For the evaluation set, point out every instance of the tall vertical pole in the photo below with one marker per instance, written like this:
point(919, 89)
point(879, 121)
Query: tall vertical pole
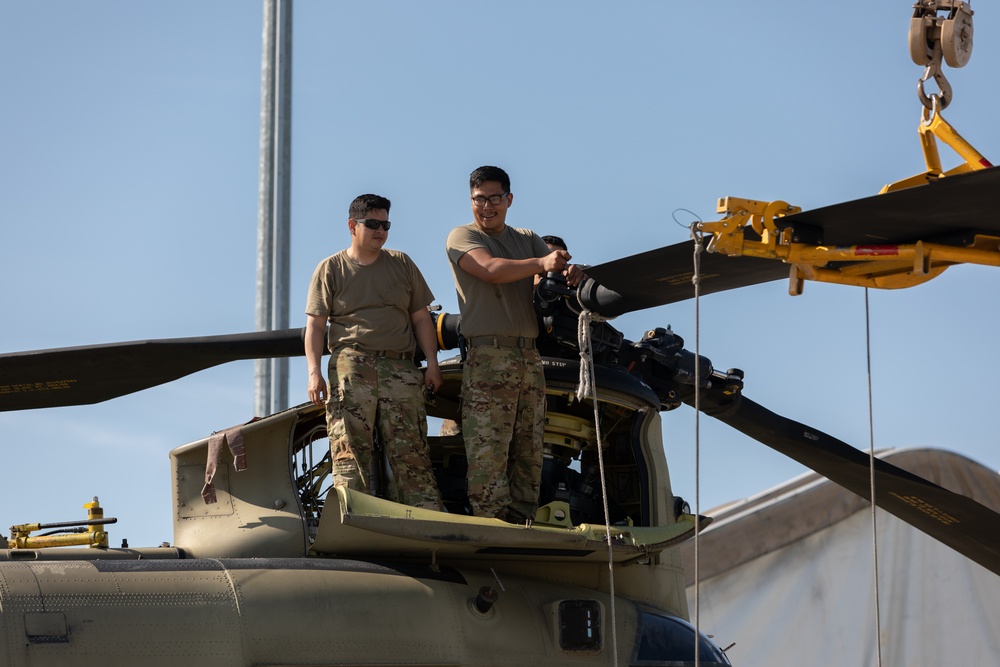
point(273, 204)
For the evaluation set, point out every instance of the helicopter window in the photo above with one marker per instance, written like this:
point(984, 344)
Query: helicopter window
point(669, 640)
point(580, 625)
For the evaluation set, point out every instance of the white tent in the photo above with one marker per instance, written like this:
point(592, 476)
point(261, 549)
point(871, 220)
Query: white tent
point(789, 576)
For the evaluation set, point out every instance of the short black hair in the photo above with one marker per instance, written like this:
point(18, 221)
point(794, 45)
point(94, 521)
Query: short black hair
point(485, 174)
point(556, 241)
point(364, 204)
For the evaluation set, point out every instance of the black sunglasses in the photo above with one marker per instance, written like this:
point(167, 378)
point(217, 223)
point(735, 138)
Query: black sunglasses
point(371, 223)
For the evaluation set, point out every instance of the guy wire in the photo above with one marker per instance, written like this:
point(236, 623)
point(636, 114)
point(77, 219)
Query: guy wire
point(871, 473)
point(696, 280)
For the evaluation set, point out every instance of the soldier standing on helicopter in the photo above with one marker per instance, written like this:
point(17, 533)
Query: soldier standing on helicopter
point(503, 386)
point(376, 302)
point(450, 427)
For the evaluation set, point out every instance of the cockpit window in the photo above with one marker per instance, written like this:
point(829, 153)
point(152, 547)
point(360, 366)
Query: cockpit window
point(667, 640)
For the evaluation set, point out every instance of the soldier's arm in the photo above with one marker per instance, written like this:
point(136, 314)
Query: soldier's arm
point(423, 330)
point(497, 270)
point(315, 332)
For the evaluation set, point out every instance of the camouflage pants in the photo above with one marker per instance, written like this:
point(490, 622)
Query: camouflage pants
point(368, 392)
point(503, 420)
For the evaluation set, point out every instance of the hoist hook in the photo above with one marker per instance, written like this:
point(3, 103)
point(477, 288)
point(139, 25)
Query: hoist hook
point(941, 99)
point(939, 30)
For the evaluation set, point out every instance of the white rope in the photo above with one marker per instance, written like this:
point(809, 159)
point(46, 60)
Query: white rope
point(585, 384)
point(871, 471)
point(588, 387)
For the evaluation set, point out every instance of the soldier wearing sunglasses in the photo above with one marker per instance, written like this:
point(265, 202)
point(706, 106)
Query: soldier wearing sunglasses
point(503, 386)
point(375, 301)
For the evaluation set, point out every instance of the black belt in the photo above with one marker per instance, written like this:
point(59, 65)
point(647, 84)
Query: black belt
point(501, 341)
point(382, 354)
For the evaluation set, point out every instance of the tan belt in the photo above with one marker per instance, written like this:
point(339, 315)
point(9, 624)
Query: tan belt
point(382, 354)
point(501, 341)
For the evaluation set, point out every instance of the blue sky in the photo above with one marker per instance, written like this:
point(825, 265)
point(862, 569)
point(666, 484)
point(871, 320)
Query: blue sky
point(128, 202)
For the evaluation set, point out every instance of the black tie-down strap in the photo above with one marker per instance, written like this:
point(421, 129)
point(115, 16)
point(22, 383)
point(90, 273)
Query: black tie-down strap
point(232, 436)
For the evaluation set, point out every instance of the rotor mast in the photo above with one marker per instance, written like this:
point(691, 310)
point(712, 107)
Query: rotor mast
point(273, 205)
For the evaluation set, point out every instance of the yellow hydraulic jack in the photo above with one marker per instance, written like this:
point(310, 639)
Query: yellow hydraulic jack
point(939, 29)
point(66, 533)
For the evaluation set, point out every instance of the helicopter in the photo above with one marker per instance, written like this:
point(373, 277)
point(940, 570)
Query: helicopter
point(271, 563)
point(47, 630)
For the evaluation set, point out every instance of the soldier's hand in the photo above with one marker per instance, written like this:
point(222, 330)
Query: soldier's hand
point(432, 378)
point(574, 275)
point(317, 388)
point(555, 261)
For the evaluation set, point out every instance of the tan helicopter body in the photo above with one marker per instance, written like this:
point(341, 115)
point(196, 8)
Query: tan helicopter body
point(263, 575)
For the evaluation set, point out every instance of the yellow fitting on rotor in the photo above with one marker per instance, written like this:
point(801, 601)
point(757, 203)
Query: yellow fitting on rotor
point(728, 234)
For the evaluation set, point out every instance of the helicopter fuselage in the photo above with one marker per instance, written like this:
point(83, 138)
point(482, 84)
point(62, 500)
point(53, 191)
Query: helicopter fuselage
point(283, 568)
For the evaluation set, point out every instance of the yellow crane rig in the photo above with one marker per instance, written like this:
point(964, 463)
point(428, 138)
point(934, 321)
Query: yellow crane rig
point(940, 30)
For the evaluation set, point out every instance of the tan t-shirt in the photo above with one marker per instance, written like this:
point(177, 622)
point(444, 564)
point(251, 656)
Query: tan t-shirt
point(495, 310)
point(369, 305)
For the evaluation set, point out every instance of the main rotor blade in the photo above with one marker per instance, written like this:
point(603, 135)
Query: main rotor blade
point(963, 203)
point(95, 373)
point(968, 527)
point(947, 211)
point(662, 276)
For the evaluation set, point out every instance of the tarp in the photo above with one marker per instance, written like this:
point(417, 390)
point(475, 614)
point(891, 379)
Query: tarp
point(789, 576)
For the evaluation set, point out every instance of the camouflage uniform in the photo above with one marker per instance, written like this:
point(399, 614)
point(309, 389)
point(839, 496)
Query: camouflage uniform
point(369, 308)
point(503, 419)
point(503, 388)
point(362, 383)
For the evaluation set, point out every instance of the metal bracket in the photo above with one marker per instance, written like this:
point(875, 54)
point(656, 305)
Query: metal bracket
point(729, 235)
point(934, 127)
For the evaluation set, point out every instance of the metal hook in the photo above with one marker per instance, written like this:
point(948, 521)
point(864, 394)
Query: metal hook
point(933, 69)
